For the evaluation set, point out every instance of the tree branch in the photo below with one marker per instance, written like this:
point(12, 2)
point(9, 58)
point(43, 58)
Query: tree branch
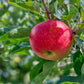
point(47, 10)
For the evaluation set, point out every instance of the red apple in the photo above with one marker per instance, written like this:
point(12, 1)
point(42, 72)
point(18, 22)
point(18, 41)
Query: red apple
point(51, 40)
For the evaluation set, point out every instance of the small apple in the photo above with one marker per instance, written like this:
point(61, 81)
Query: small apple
point(51, 40)
point(17, 59)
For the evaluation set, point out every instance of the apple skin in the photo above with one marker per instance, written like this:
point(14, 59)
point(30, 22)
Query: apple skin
point(51, 40)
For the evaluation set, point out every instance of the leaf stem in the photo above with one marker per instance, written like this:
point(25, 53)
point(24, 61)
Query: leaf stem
point(47, 10)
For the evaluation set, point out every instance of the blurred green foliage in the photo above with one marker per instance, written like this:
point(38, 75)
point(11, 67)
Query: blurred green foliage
point(18, 63)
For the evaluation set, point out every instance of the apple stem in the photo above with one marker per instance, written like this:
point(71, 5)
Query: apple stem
point(47, 10)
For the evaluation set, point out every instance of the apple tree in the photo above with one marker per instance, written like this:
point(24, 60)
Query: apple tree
point(20, 61)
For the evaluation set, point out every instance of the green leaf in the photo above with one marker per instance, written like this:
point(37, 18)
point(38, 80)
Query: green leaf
point(82, 69)
point(48, 1)
point(61, 1)
point(75, 2)
point(70, 83)
point(1, 32)
point(37, 69)
point(72, 1)
point(26, 5)
point(4, 37)
point(81, 26)
point(56, 6)
point(73, 79)
point(79, 41)
point(16, 33)
point(78, 2)
point(17, 50)
point(19, 33)
point(58, 13)
point(1, 50)
point(1, 24)
point(73, 11)
point(36, 6)
point(12, 41)
point(82, 13)
point(78, 62)
point(82, 36)
point(47, 67)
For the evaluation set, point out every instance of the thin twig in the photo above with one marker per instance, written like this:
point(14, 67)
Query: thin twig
point(52, 10)
point(54, 18)
point(68, 23)
point(47, 10)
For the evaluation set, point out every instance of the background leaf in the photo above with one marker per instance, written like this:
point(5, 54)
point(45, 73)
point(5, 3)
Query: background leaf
point(73, 80)
point(78, 62)
point(47, 67)
point(27, 5)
